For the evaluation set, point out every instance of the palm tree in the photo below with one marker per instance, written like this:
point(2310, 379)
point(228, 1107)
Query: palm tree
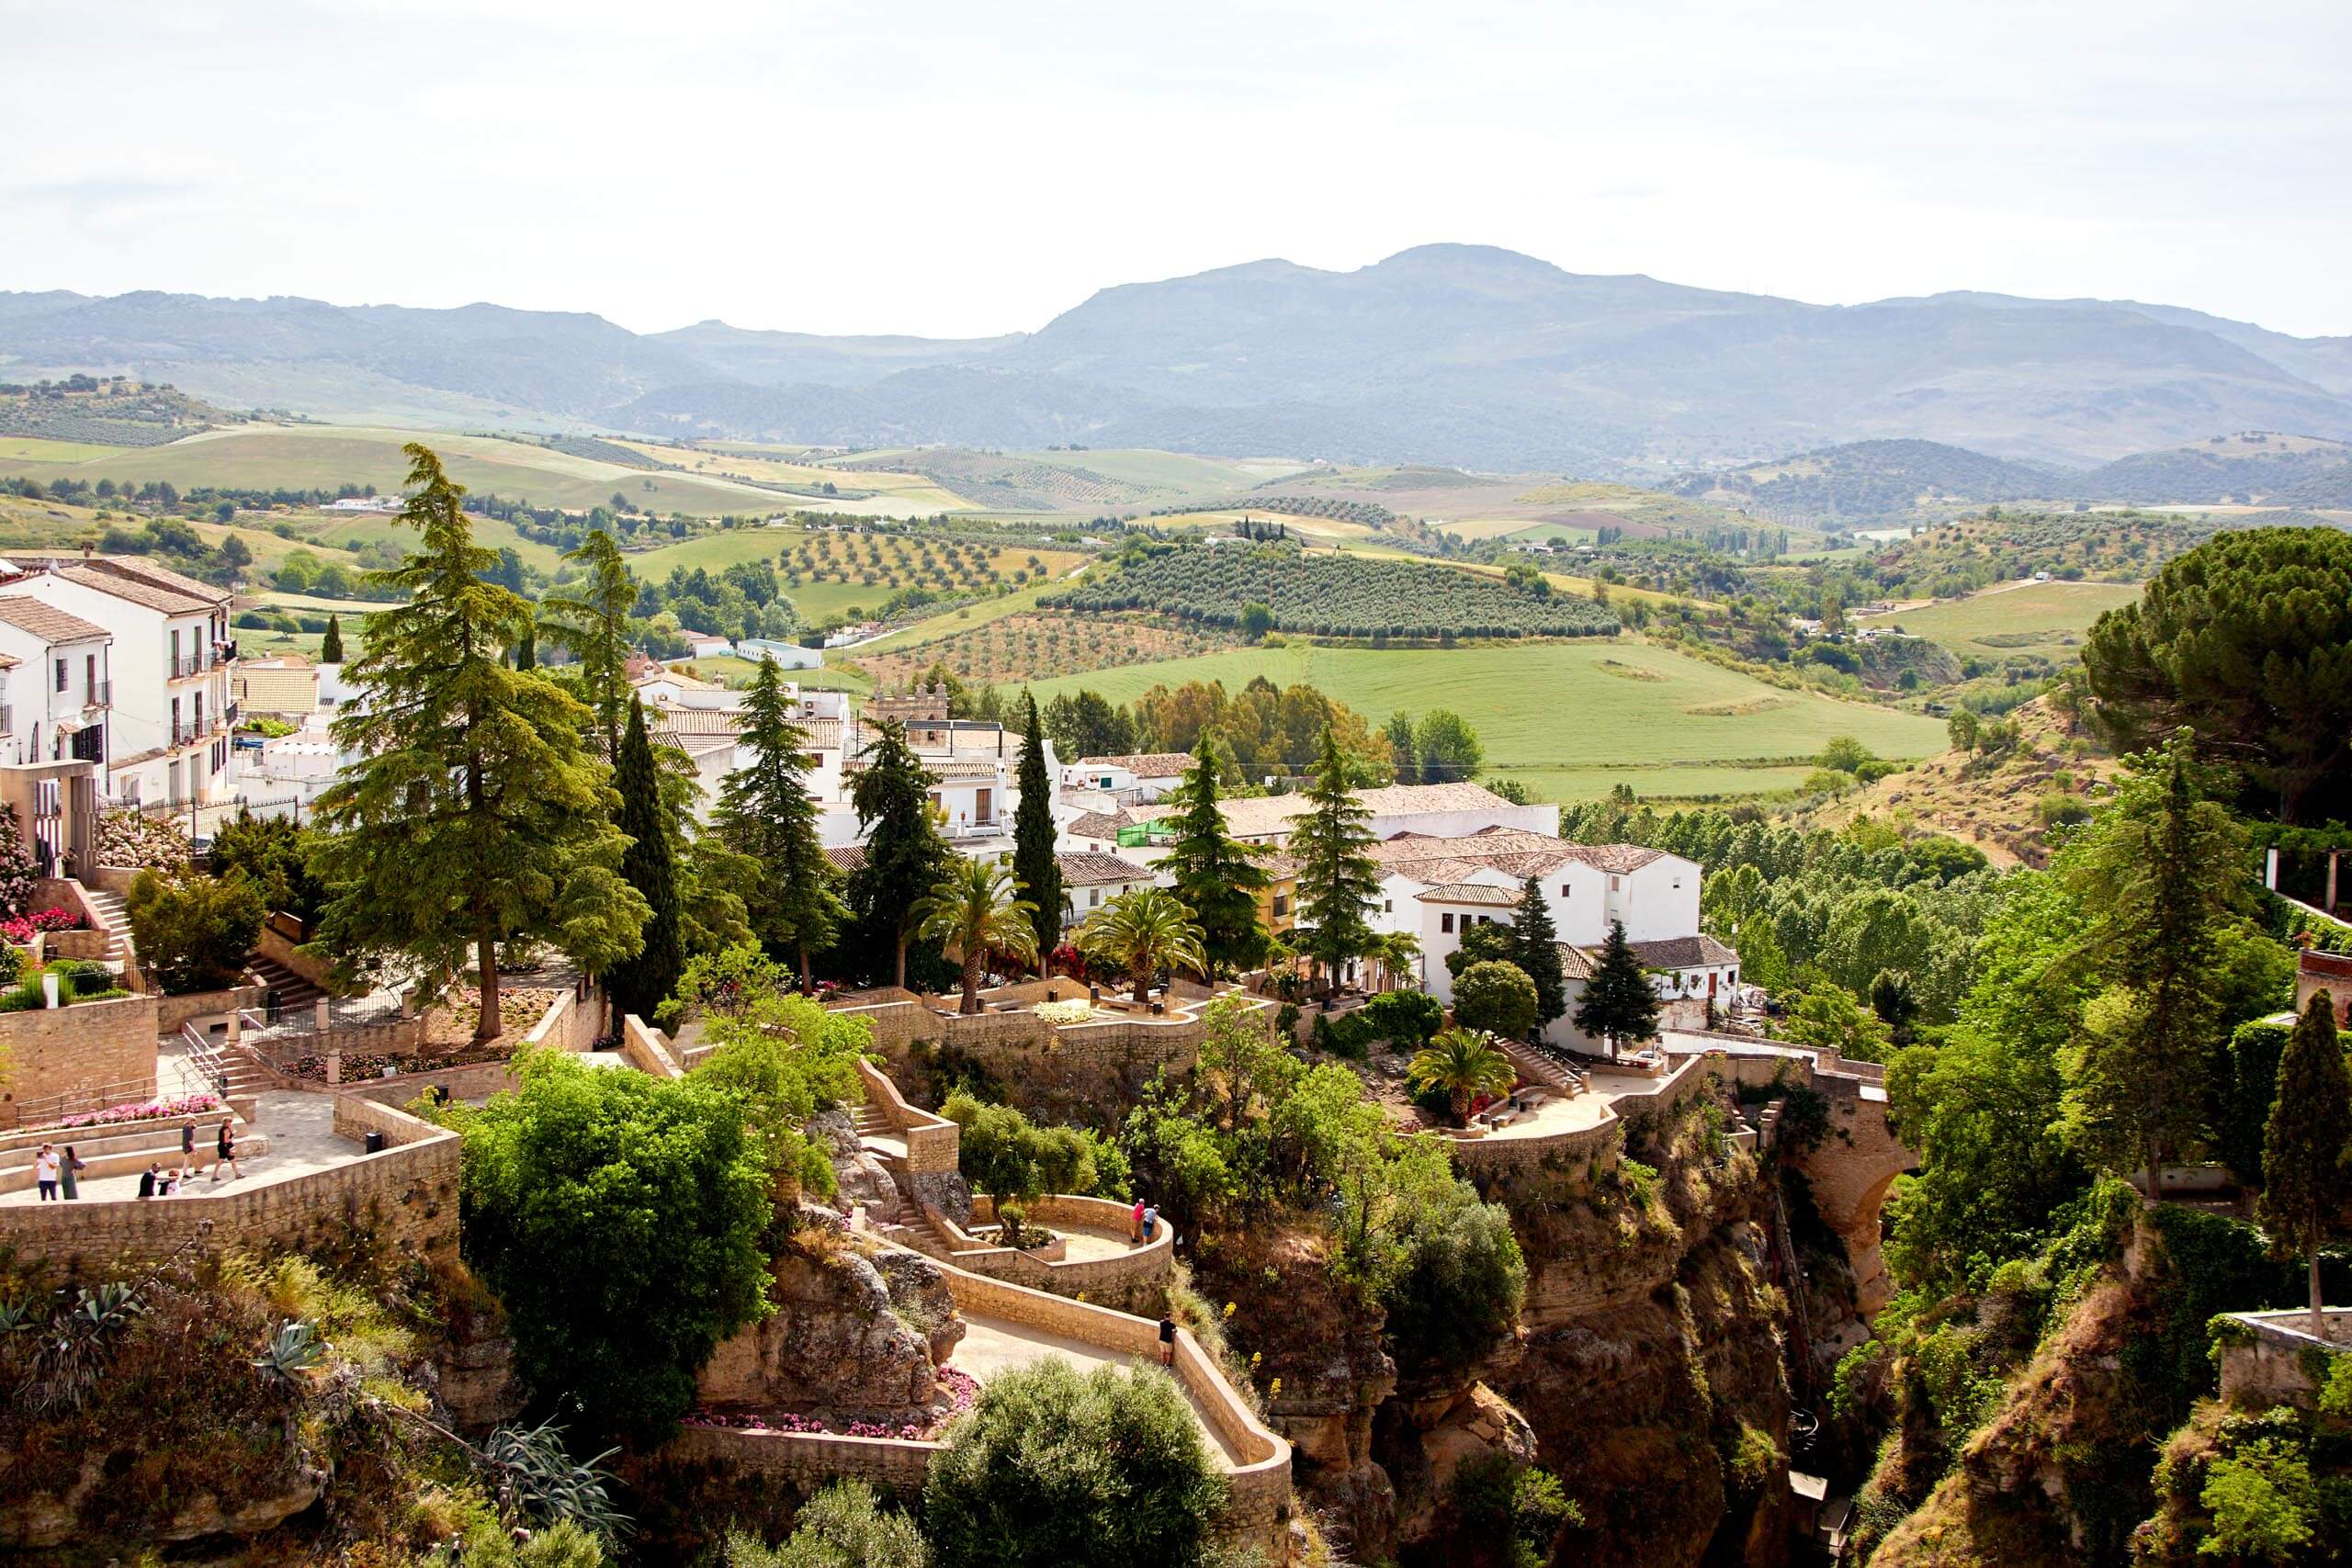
point(1394, 952)
point(971, 910)
point(1463, 1063)
point(1142, 932)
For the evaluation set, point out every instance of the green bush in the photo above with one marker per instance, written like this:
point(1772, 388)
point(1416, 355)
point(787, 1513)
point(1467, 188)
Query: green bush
point(1005, 1154)
point(844, 1525)
point(1496, 997)
point(1103, 1470)
point(194, 929)
point(1408, 1020)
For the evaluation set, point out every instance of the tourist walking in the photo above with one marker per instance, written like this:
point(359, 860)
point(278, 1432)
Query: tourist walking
point(227, 1147)
point(187, 1144)
point(65, 1169)
point(1135, 1223)
point(1151, 1222)
point(1167, 1341)
point(45, 1173)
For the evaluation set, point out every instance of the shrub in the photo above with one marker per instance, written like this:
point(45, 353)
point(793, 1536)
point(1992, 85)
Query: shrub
point(1405, 1017)
point(619, 1218)
point(193, 929)
point(1496, 997)
point(844, 1525)
point(1048, 1466)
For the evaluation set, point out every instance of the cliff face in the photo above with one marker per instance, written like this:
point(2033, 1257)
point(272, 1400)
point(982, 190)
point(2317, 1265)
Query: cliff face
point(1647, 1375)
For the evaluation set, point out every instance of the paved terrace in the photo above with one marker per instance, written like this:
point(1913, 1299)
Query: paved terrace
point(994, 1346)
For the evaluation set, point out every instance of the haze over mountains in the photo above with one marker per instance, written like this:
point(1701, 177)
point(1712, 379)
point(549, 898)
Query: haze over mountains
point(1445, 354)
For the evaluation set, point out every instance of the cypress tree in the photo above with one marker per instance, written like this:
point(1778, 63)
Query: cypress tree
point(905, 856)
point(1337, 879)
point(331, 650)
point(471, 816)
point(594, 624)
point(1216, 876)
point(2306, 1185)
point(526, 650)
point(1619, 1002)
point(1036, 874)
point(1536, 948)
point(643, 983)
point(765, 812)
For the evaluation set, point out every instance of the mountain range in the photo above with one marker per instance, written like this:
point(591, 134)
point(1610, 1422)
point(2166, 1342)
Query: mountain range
point(1443, 353)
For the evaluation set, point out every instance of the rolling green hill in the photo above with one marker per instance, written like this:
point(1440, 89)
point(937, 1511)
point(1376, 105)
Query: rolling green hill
point(2043, 617)
point(1572, 719)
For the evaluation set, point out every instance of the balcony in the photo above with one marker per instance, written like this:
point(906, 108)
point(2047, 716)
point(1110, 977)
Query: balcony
point(181, 667)
point(101, 695)
point(186, 734)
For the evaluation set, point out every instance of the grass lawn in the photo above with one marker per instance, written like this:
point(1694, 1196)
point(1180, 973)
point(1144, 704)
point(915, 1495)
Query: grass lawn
point(2040, 616)
point(1565, 714)
point(324, 457)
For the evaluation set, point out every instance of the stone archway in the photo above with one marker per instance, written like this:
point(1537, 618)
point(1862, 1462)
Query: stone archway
point(1852, 1170)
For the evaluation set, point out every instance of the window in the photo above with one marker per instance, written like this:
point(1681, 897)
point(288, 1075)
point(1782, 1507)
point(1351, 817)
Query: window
point(1563, 889)
point(1615, 883)
point(1282, 905)
point(1094, 897)
point(1446, 922)
point(60, 674)
point(1678, 884)
point(1388, 906)
point(90, 674)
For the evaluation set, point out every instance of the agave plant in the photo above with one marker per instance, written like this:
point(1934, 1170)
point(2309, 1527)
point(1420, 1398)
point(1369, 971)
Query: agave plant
point(295, 1348)
point(535, 1477)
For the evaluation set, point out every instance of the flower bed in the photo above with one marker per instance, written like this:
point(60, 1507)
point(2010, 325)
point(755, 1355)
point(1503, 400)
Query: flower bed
point(147, 1110)
point(961, 1389)
point(452, 1027)
point(427, 1059)
point(1063, 1014)
point(20, 928)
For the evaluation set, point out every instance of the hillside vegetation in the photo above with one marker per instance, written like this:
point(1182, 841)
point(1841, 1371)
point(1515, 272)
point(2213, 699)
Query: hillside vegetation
point(112, 412)
point(1330, 596)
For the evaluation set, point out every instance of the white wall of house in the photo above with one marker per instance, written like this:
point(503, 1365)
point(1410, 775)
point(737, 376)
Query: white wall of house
point(1084, 901)
point(171, 687)
point(55, 692)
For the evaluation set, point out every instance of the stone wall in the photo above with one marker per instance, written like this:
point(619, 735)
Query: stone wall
point(405, 1196)
point(644, 1048)
point(477, 1081)
point(809, 1460)
point(2271, 1358)
point(934, 1143)
point(572, 1025)
point(102, 1050)
point(279, 948)
point(172, 1012)
point(1135, 1281)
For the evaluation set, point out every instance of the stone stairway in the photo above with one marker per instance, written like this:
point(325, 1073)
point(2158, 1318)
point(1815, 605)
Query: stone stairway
point(290, 989)
point(107, 909)
point(1539, 1067)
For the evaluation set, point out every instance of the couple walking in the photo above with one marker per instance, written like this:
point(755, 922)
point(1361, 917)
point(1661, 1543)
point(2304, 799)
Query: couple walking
point(224, 1149)
point(1143, 1223)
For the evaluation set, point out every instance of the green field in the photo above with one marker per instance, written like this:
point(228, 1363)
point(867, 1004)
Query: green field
point(815, 600)
point(1571, 718)
point(324, 457)
point(36, 449)
point(2043, 618)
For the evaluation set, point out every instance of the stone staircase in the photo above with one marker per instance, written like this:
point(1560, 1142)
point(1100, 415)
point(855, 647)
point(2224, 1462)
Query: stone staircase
point(1537, 1066)
point(108, 910)
point(290, 989)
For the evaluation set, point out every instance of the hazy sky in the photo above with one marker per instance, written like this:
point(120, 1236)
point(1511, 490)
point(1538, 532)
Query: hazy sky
point(959, 169)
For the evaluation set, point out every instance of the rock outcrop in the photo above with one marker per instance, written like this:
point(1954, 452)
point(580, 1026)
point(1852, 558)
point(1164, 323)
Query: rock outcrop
point(854, 1336)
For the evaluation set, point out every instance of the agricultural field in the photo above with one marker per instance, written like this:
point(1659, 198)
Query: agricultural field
point(1571, 719)
point(1334, 595)
point(864, 494)
point(2041, 617)
point(318, 456)
point(1031, 647)
point(826, 573)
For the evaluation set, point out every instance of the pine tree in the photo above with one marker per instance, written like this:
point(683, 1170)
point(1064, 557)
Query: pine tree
point(1536, 948)
point(905, 856)
point(2163, 869)
point(642, 984)
point(1036, 874)
point(331, 650)
point(593, 625)
point(1216, 876)
point(2306, 1183)
point(1337, 879)
point(767, 814)
point(1619, 1002)
point(471, 815)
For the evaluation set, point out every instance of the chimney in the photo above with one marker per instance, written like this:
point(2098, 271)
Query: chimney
point(89, 549)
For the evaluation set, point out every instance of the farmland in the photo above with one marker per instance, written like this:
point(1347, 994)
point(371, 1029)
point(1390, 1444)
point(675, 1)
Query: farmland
point(826, 574)
point(1014, 649)
point(1334, 595)
point(318, 456)
point(2036, 617)
point(1572, 719)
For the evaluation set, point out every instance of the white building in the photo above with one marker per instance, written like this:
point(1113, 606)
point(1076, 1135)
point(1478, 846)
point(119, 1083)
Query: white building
point(1091, 881)
point(1444, 810)
point(54, 683)
point(1139, 779)
point(169, 708)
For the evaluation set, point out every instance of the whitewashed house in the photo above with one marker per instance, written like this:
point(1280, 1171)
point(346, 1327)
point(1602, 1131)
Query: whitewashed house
point(54, 684)
point(1091, 881)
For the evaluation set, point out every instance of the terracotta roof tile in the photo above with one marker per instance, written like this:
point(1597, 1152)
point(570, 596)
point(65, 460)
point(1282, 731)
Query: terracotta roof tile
point(1087, 868)
point(46, 621)
point(1144, 764)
